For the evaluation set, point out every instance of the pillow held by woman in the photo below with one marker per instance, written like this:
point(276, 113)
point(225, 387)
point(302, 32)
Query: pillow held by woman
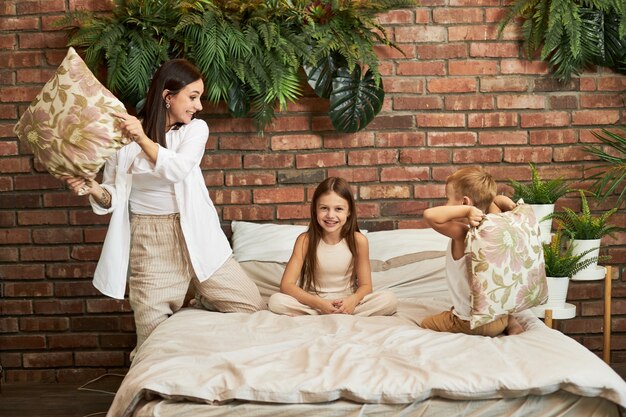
point(69, 125)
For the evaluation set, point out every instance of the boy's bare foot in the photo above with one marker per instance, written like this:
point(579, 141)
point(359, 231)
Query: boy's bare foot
point(514, 327)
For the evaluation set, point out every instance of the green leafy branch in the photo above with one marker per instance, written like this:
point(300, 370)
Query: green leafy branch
point(572, 34)
point(612, 151)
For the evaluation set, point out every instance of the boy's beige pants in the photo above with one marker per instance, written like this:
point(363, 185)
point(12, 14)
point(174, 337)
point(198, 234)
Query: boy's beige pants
point(161, 272)
point(447, 321)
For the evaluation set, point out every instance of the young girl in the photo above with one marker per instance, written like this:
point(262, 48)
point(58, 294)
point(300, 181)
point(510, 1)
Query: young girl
point(329, 269)
point(164, 228)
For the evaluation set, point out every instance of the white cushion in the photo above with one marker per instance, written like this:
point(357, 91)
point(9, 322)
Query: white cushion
point(388, 244)
point(410, 262)
point(264, 242)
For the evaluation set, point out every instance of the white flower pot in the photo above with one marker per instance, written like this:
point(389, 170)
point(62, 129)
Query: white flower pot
point(545, 226)
point(557, 291)
point(581, 246)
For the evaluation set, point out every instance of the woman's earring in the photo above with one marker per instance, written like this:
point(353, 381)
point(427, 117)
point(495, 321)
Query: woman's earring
point(167, 105)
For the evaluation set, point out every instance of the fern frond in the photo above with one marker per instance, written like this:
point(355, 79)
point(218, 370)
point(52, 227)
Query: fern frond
point(613, 171)
point(522, 8)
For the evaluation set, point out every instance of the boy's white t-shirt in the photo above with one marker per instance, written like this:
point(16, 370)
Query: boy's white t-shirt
point(458, 283)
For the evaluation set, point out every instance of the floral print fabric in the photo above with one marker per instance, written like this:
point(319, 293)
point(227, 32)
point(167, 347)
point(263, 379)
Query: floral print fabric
point(69, 125)
point(507, 269)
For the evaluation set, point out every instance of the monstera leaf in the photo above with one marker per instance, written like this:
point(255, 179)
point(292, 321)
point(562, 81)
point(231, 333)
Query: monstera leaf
point(354, 101)
point(320, 77)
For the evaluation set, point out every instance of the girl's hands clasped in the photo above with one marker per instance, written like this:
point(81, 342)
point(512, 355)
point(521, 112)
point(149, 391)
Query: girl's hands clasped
point(327, 307)
point(346, 305)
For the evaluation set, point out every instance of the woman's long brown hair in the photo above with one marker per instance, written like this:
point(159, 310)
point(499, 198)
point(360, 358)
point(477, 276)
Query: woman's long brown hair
point(173, 75)
point(315, 231)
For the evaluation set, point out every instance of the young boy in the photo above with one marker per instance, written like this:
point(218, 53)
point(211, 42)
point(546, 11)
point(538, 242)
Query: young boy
point(471, 192)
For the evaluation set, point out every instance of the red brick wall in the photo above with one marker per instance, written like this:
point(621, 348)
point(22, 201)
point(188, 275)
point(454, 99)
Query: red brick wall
point(459, 96)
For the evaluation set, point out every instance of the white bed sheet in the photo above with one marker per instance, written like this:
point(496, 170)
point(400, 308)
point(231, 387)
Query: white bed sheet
point(208, 357)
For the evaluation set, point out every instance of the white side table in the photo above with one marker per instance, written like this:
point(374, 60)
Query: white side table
point(554, 313)
point(569, 311)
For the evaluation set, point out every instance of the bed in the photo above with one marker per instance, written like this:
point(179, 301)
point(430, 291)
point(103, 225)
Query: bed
point(201, 363)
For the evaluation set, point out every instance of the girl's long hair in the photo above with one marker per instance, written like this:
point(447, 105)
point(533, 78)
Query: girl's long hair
point(173, 75)
point(342, 188)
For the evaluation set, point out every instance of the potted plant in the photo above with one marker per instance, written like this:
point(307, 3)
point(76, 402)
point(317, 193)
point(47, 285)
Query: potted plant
point(252, 53)
point(540, 195)
point(561, 264)
point(612, 174)
point(585, 232)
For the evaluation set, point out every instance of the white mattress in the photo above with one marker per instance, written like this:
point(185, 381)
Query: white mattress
point(208, 357)
point(558, 404)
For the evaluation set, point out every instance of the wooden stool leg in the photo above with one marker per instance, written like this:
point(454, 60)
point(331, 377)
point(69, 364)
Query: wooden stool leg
point(606, 332)
point(547, 318)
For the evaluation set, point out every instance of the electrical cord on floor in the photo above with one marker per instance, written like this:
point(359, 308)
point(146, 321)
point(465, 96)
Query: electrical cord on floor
point(82, 387)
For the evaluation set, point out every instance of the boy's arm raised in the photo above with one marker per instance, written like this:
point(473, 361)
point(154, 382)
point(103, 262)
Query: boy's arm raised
point(453, 221)
point(501, 203)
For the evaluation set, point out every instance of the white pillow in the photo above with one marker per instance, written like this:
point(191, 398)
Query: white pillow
point(410, 262)
point(424, 278)
point(388, 244)
point(264, 242)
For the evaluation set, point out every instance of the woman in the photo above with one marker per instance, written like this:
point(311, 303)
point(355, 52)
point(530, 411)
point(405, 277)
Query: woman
point(164, 225)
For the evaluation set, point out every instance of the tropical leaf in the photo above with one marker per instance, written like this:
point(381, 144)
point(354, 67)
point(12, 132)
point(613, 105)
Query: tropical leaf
point(320, 76)
point(354, 101)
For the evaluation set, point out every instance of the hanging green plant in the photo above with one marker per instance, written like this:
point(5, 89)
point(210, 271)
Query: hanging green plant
point(251, 53)
point(573, 34)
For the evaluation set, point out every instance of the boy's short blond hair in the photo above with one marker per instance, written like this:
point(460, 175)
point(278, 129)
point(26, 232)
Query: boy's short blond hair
point(475, 183)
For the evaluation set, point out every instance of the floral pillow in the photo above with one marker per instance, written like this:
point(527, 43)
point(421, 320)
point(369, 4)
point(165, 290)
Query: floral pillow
point(507, 269)
point(69, 125)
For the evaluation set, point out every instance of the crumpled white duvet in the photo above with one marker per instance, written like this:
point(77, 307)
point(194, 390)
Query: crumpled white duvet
point(213, 357)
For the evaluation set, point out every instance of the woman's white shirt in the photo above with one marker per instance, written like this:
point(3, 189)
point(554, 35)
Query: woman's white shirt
point(179, 165)
point(150, 193)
